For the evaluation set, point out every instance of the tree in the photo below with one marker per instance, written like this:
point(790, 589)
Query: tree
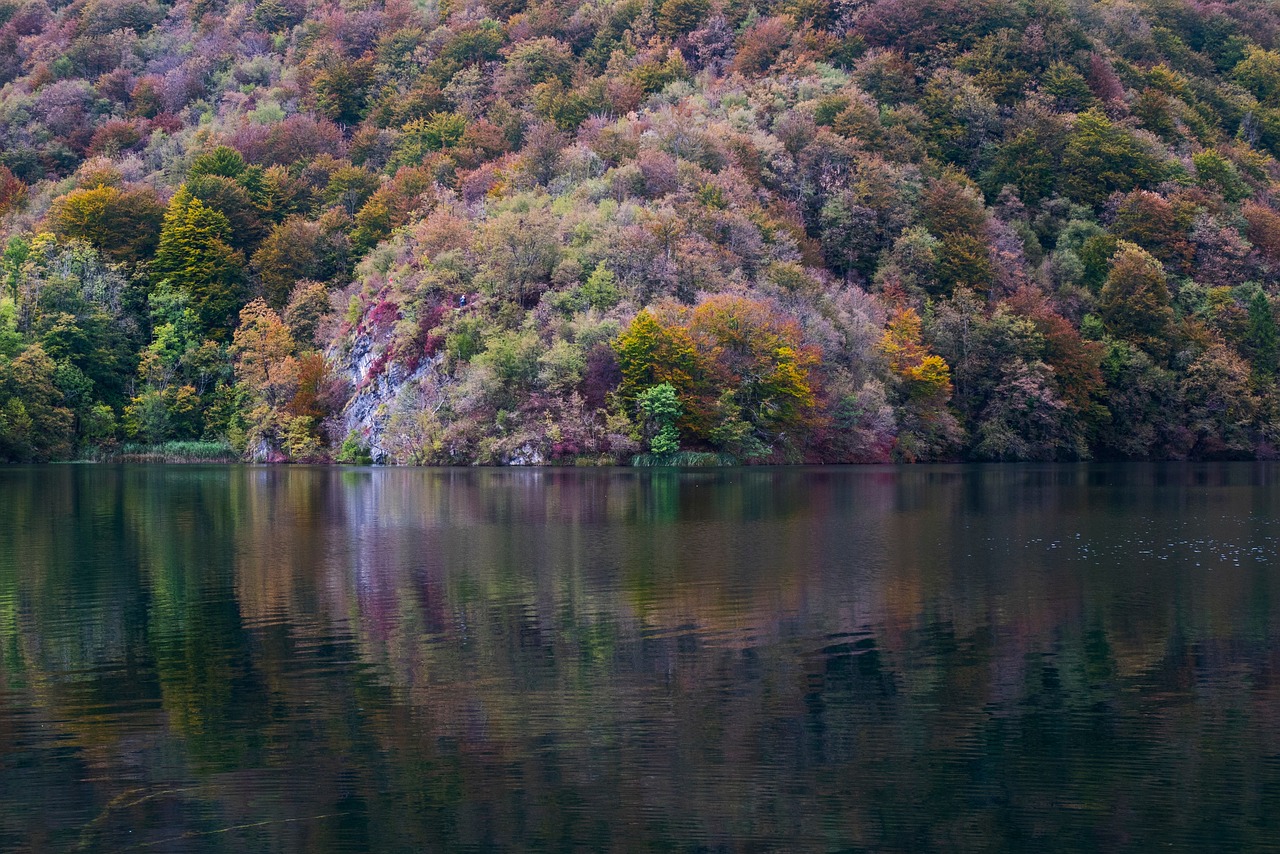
point(263, 351)
point(1023, 418)
point(35, 424)
point(122, 224)
point(766, 378)
point(195, 256)
point(1145, 407)
point(1259, 72)
point(1029, 160)
point(12, 190)
point(652, 353)
point(921, 390)
point(677, 17)
point(421, 137)
point(1068, 88)
point(964, 261)
point(231, 198)
point(295, 250)
point(600, 291)
point(1262, 339)
point(1159, 226)
point(1214, 170)
point(520, 250)
point(1221, 405)
point(1076, 377)
point(1135, 304)
point(1101, 158)
point(76, 306)
point(342, 88)
point(539, 60)
point(745, 383)
point(222, 161)
point(924, 375)
point(308, 304)
point(175, 333)
point(281, 394)
point(661, 409)
point(1263, 230)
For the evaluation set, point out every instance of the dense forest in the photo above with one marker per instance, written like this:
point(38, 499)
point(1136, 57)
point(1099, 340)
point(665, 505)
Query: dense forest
point(598, 231)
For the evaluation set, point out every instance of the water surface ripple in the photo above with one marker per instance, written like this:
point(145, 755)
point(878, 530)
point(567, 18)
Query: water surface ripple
point(968, 658)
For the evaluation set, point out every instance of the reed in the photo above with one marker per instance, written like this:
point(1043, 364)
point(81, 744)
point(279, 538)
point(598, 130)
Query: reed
point(176, 452)
point(683, 459)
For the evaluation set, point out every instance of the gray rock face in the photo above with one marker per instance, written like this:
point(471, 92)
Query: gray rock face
point(377, 383)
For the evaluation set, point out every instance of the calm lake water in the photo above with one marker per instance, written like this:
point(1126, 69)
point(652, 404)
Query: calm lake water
point(1016, 658)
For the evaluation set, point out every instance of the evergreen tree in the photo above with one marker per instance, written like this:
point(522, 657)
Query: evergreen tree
point(1263, 338)
point(195, 256)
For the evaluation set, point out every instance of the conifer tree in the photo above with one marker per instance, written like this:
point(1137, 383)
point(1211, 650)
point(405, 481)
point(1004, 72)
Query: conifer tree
point(1263, 338)
point(195, 257)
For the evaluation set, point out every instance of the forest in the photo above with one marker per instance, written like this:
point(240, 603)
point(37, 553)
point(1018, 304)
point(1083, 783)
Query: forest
point(590, 232)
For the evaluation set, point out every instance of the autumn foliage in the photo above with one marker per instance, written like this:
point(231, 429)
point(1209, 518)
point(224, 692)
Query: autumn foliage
point(558, 232)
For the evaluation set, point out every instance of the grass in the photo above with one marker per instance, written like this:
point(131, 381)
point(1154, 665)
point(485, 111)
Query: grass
point(176, 452)
point(683, 459)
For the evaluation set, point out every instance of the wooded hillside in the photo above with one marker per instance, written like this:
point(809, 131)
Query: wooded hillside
point(578, 232)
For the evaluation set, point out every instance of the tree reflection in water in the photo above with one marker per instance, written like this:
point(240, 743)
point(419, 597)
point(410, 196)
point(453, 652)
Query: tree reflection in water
point(953, 658)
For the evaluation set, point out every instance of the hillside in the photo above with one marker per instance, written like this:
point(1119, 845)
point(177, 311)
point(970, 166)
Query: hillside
point(578, 232)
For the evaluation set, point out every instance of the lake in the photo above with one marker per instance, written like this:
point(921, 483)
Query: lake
point(951, 658)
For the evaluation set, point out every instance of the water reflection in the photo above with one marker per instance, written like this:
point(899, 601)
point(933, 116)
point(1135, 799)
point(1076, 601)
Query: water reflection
point(953, 658)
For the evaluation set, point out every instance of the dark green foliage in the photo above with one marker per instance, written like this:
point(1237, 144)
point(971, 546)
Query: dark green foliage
point(677, 17)
point(1101, 158)
point(1135, 304)
point(1263, 339)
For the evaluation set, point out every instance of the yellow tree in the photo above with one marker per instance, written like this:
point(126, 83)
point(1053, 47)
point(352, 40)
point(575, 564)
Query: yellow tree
point(922, 381)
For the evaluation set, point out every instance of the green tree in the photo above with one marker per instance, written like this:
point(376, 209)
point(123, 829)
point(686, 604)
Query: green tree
point(195, 255)
point(1259, 72)
point(222, 161)
point(342, 89)
point(420, 137)
point(661, 408)
point(1214, 170)
point(1101, 158)
point(1262, 338)
point(1030, 161)
point(229, 197)
point(74, 304)
point(1135, 304)
point(35, 423)
point(601, 289)
point(1068, 88)
point(677, 17)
